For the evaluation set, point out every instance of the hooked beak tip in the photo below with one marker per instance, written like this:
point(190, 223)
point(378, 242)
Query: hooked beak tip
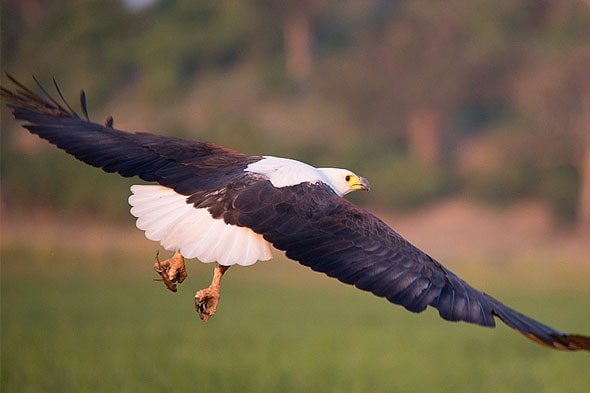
point(363, 184)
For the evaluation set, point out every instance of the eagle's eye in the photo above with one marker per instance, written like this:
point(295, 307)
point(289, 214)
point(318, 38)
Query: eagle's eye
point(347, 178)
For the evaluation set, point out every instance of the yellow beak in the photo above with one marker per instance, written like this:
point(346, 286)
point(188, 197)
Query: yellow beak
point(360, 183)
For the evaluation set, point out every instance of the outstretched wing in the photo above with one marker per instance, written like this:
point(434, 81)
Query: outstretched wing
point(330, 235)
point(185, 166)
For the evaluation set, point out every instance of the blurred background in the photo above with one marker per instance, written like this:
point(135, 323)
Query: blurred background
point(471, 119)
point(428, 100)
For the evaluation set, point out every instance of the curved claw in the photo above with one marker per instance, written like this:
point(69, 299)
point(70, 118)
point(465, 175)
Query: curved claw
point(206, 301)
point(171, 270)
point(202, 309)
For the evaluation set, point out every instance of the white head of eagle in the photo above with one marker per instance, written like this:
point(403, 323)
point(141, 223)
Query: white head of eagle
point(284, 172)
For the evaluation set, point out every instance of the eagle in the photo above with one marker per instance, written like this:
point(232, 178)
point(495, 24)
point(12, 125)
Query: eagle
point(221, 206)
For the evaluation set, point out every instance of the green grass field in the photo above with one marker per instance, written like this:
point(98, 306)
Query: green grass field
point(104, 326)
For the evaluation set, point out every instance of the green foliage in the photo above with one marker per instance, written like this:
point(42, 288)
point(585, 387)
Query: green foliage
point(560, 187)
point(505, 182)
point(183, 37)
point(162, 49)
point(59, 182)
point(402, 182)
point(509, 168)
point(74, 39)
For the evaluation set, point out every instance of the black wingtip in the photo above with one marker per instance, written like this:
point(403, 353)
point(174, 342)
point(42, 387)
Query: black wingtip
point(577, 342)
point(11, 78)
point(23, 97)
point(539, 332)
point(56, 86)
point(562, 342)
point(83, 104)
point(47, 95)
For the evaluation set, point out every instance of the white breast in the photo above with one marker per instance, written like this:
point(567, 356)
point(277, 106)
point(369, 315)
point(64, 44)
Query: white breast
point(165, 217)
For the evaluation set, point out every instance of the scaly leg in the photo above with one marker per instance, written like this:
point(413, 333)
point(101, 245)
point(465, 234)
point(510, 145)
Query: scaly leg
point(206, 300)
point(171, 270)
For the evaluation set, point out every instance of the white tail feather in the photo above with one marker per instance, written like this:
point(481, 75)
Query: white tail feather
point(166, 217)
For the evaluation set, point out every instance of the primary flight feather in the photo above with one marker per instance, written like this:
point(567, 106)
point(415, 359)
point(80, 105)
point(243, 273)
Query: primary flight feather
point(222, 206)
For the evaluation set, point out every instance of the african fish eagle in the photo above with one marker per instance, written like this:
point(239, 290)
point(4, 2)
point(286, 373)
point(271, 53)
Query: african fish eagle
point(222, 206)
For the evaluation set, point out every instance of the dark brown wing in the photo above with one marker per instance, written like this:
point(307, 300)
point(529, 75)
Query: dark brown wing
point(185, 166)
point(330, 235)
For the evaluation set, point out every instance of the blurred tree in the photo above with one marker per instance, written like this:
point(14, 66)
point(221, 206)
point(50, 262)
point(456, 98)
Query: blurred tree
point(298, 34)
point(584, 206)
point(416, 69)
point(71, 39)
point(552, 92)
point(432, 74)
point(181, 39)
point(31, 11)
point(553, 96)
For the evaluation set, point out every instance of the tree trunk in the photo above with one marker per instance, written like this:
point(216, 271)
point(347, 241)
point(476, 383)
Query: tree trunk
point(424, 136)
point(32, 12)
point(583, 128)
point(298, 47)
point(584, 197)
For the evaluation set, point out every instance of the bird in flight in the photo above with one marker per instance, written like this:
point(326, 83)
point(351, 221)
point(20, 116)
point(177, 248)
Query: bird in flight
point(225, 207)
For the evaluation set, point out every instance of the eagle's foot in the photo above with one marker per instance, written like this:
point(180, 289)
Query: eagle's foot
point(171, 270)
point(206, 301)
